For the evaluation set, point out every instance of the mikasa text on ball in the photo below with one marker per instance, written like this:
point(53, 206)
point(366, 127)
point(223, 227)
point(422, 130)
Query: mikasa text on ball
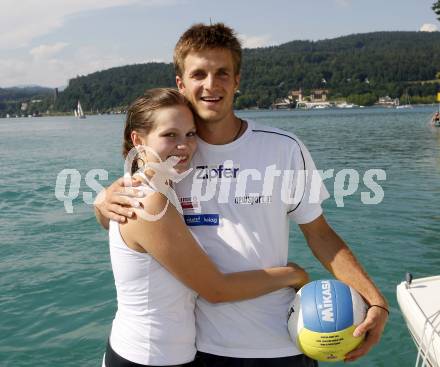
point(322, 319)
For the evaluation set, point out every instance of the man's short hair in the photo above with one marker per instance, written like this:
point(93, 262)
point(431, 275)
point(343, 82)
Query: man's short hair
point(201, 37)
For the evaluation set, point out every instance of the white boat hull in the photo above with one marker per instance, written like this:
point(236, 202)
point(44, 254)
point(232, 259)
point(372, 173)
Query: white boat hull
point(420, 305)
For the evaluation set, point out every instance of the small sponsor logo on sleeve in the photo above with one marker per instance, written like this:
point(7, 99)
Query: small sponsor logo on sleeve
point(202, 219)
point(189, 203)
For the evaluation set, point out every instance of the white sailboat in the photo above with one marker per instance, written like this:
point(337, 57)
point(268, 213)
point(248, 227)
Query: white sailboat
point(78, 112)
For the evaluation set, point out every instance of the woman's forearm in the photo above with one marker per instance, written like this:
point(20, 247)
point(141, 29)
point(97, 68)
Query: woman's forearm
point(250, 284)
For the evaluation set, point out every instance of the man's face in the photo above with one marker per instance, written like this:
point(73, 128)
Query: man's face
point(209, 83)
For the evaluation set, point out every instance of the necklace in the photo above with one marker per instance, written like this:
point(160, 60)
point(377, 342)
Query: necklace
point(239, 131)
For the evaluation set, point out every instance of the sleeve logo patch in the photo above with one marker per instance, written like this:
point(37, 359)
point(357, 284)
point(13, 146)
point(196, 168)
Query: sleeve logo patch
point(202, 219)
point(189, 203)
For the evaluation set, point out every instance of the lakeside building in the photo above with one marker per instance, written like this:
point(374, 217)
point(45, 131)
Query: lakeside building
point(296, 95)
point(319, 95)
point(317, 99)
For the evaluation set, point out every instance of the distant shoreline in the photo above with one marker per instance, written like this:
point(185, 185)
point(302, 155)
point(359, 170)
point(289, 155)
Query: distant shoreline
point(333, 108)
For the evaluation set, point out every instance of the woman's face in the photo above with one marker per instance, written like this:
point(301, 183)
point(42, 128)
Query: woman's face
point(173, 134)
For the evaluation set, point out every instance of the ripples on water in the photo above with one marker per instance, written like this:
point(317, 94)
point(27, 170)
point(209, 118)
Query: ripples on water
point(57, 296)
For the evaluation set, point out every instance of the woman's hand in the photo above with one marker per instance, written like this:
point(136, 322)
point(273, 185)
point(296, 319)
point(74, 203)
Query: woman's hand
point(299, 276)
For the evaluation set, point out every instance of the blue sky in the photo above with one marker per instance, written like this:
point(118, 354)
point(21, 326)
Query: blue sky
point(46, 42)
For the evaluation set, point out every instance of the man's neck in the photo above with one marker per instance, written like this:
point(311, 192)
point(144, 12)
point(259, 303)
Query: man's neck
point(221, 132)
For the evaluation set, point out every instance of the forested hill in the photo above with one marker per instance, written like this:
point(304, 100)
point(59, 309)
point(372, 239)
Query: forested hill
point(115, 87)
point(38, 99)
point(374, 64)
point(24, 92)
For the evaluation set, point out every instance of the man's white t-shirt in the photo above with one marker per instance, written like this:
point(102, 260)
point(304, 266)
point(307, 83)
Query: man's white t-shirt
point(237, 203)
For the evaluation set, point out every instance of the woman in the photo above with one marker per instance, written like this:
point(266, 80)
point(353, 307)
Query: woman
point(158, 266)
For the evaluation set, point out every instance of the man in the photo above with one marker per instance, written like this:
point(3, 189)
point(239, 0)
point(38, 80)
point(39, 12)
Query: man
point(248, 230)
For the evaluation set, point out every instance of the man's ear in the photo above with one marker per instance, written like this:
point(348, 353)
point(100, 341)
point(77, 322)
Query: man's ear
point(237, 82)
point(180, 85)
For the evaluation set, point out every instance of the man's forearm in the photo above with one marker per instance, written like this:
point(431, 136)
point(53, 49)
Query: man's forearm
point(335, 255)
point(346, 268)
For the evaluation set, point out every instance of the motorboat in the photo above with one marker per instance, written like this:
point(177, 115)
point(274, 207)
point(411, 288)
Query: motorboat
point(345, 105)
point(407, 105)
point(404, 107)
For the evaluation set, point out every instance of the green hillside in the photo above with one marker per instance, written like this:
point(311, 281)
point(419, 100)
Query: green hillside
point(115, 87)
point(38, 99)
point(359, 67)
point(380, 63)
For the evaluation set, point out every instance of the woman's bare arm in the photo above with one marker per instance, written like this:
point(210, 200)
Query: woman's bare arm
point(170, 242)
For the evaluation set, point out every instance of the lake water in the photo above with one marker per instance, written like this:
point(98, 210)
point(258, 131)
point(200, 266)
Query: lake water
point(57, 294)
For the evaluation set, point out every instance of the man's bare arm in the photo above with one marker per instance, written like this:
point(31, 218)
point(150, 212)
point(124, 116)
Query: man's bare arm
point(336, 257)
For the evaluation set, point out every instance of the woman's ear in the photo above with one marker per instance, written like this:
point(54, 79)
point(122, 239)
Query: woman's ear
point(135, 138)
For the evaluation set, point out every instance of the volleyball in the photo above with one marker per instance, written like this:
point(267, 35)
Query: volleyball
point(322, 319)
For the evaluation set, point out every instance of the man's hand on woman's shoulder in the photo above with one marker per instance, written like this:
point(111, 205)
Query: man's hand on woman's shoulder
point(116, 201)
